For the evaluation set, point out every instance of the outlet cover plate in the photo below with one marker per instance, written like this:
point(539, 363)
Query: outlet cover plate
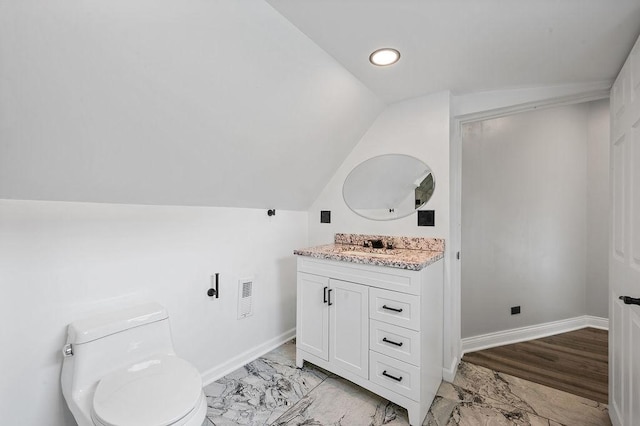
point(426, 217)
point(325, 216)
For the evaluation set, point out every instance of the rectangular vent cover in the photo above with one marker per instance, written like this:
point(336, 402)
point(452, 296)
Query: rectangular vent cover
point(245, 298)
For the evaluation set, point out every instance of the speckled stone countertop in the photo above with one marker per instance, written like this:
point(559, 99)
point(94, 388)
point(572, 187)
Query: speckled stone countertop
point(407, 253)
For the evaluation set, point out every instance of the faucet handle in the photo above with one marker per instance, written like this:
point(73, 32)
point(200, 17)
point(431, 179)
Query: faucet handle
point(376, 244)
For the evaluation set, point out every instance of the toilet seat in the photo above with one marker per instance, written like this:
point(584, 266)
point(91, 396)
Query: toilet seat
point(159, 391)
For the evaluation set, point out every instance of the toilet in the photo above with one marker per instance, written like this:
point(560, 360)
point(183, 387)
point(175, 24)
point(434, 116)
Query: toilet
point(120, 369)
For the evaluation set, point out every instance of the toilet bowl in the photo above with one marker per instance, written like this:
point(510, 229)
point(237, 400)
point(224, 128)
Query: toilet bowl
point(120, 369)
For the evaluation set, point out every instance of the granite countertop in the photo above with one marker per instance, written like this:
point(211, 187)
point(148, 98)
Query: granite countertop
point(407, 253)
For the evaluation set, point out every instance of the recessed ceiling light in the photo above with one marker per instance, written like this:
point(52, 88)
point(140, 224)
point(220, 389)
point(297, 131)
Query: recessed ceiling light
point(385, 56)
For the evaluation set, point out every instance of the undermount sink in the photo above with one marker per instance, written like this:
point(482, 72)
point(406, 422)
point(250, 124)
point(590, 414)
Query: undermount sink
point(368, 253)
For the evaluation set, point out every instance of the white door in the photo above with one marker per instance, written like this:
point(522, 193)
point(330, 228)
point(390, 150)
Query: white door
point(349, 319)
point(624, 247)
point(312, 328)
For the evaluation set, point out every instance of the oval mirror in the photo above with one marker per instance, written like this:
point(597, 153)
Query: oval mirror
point(388, 187)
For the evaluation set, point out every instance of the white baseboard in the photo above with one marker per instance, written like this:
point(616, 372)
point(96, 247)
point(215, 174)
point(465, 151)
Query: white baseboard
point(597, 322)
point(506, 337)
point(448, 374)
point(469, 344)
point(246, 357)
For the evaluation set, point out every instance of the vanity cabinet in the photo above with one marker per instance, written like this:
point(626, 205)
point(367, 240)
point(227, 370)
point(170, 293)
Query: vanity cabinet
point(377, 326)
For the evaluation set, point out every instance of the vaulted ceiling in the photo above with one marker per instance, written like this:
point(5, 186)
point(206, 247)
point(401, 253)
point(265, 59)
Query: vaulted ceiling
point(254, 104)
point(213, 103)
point(471, 45)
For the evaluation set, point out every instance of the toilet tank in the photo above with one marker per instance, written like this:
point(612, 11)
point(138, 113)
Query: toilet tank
point(104, 343)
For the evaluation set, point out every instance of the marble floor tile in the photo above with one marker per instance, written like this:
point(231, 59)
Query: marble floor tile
point(479, 412)
point(272, 391)
point(341, 403)
point(505, 390)
point(284, 354)
point(454, 405)
point(262, 390)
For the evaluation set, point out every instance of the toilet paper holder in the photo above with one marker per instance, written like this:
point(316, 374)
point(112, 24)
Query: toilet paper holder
point(213, 291)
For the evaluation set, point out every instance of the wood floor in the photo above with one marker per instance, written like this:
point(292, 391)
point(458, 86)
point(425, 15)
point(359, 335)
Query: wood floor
point(575, 362)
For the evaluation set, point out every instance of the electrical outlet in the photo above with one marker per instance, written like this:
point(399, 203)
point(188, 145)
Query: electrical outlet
point(426, 217)
point(515, 310)
point(325, 216)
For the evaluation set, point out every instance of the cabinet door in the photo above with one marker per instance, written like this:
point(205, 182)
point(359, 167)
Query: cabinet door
point(312, 329)
point(349, 319)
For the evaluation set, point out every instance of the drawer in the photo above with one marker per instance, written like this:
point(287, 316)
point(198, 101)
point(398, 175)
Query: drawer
point(395, 375)
point(395, 308)
point(396, 342)
point(374, 276)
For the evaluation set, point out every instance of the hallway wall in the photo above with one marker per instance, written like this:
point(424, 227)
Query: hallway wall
point(525, 204)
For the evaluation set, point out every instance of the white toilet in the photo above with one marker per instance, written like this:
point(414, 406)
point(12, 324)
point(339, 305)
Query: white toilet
point(120, 369)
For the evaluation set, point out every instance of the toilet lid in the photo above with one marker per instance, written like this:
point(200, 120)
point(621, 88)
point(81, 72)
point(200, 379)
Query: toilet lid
point(155, 392)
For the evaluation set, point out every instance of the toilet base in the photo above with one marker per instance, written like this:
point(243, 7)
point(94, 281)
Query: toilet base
point(197, 416)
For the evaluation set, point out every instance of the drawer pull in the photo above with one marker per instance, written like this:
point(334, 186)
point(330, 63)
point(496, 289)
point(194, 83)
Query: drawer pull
point(384, 339)
point(325, 294)
point(397, 379)
point(391, 309)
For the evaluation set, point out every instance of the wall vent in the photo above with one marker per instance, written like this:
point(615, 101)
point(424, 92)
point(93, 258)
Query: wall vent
point(245, 298)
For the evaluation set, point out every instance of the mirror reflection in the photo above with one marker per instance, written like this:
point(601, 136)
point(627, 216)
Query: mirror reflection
point(389, 186)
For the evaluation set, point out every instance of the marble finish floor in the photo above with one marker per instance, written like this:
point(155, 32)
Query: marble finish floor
point(272, 391)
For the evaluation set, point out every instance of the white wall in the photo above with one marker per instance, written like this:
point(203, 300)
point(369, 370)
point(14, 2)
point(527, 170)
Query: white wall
point(216, 103)
point(417, 127)
point(597, 294)
point(60, 261)
point(524, 218)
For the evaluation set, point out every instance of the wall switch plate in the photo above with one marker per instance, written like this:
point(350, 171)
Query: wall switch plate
point(515, 310)
point(325, 216)
point(426, 217)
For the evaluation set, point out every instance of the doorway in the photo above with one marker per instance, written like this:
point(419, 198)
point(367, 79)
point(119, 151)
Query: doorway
point(534, 225)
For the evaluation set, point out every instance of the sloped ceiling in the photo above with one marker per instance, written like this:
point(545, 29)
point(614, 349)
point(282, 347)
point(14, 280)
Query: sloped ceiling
point(228, 103)
point(214, 103)
point(471, 45)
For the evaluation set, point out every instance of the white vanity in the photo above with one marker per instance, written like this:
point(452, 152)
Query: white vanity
point(374, 316)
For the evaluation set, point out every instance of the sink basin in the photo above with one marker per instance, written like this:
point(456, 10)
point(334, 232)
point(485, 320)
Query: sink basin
point(368, 254)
